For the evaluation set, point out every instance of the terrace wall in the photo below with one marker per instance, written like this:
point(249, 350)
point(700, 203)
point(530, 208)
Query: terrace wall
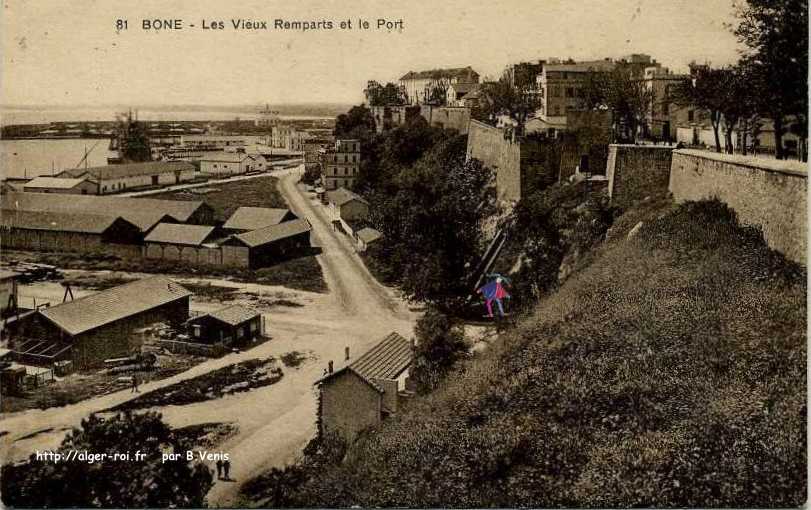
point(637, 171)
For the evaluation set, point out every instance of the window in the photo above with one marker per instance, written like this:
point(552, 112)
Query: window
point(253, 327)
point(557, 110)
point(690, 116)
point(240, 332)
point(569, 92)
point(196, 331)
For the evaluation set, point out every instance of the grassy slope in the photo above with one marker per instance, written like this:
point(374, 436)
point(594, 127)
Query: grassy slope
point(669, 372)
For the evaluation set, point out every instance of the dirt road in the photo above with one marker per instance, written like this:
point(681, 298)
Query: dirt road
point(276, 421)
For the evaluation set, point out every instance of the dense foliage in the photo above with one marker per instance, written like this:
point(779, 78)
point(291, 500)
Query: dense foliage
point(670, 372)
point(440, 343)
point(430, 204)
point(146, 482)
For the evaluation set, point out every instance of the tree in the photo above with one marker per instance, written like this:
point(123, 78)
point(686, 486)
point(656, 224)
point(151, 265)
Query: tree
point(776, 34)
point(502, 98)
point(385, 95)
point(141, 482)
point(707, 89)
point(357, 123)
point(440, 343)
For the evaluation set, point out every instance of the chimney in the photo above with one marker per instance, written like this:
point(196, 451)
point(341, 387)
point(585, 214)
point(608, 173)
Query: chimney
point(346, 352)
point(330, 367)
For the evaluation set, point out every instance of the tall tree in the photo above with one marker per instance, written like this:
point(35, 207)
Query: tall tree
point(385, 95)
point(707, 89)
point(357, 123)
point(624, 94)
point(502, 98)
point(776, 35)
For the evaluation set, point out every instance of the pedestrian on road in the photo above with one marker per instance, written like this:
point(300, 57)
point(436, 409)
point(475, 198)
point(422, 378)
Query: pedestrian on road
point(227, 468)
point(219, 469)
point(135, 384)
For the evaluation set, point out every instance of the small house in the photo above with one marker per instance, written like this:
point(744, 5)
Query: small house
point(346, 205)
point(76, 186)
point(223, 164)
point(361, 394)
point(365, 237)
point(232, 325)
point(177, 241)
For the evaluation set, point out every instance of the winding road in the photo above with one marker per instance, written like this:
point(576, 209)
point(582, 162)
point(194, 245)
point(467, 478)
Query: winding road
point(274, 422)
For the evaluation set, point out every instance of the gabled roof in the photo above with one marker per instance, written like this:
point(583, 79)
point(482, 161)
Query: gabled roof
point(179, 233)
point(142, 212)
point(234, 314)
point(436, 74)
point(252, 218)
point(272, 233)
point(342, 196)
point(130, 169)
point(367, 234)
point(386, 360)
point(54, 182)
point(62, 222)
point(111, 305)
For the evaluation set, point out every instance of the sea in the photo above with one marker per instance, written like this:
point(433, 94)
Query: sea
point(31, 158)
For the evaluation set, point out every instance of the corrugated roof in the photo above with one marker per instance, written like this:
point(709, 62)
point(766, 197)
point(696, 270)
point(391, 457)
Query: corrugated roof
point(54, 182)
point(386, 360)
point(341, 196)
point(111, 305)
point(63, 222)
point(179, 233)
point(131, 169)
point(367, 234)
point(234, 314)
point(252, 218)
point(142, 212)
point(273, 233)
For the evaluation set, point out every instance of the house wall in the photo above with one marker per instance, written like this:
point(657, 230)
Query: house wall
point(83, 188)
point(348, 405)
point(271, 253)
point(768, 193)
point(390, 397)
point(222, 168)
point(46, 240)
point(499, 152)
point(636, 171)
point(193, 255)
point(108, 186)
point(8, 288)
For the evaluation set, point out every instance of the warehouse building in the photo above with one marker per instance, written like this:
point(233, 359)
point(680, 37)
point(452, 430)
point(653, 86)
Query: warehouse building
point(361, 394)
point(223, 164)
point(177, 241)
point(142, 212)
point(70, 186)
point(69, 232)
point(266, 246)
point(100, 326)
point(246, 219)
point(133, 176)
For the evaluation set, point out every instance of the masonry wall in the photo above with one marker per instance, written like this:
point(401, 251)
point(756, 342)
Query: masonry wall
point(348, 405)
point(636, 171)
point(768, 193)
point(501, 154)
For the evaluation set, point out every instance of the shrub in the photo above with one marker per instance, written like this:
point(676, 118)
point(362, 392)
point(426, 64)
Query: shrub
point(439, 344)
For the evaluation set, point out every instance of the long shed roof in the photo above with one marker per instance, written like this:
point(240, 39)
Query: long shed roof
point(252, 218)
point(62, 222)
point(130, 169)
point(273, 232)
point(179, 233)
point(111, 305)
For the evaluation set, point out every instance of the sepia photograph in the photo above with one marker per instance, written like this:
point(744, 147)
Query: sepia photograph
point(389, 254)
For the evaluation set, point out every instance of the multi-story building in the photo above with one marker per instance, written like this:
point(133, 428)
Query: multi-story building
point(419, 86)
point(340, 164)
point(664, 115)
point(562, 87)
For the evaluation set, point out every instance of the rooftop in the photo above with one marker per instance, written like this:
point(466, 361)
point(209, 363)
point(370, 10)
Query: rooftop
point(252, 218)
point(62, 222)
point(367, 234)
point(342, 196)
point(226, 157)
point(130, 169)
point(179, 233)
point(273, 233)
point(142, 212)
point(436, 74)
point(386, 360)
point(111, 305)
point(54, 182)
point(234, 314)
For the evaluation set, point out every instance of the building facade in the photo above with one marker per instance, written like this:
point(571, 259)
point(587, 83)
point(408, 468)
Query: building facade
point(340, 164)
point(420, 86)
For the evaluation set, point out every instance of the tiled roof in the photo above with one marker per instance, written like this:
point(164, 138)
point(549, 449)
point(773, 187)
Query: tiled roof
point(142, 212)
point(386, 360)
point(54, 182)
point(273, 233)
point(131, 169)
point(435, 74)
point(179, 233)
point(90, 312)
point(234, 314)
point(252, 218)
point(367, 234)
point(341, 196)
point(63, 222)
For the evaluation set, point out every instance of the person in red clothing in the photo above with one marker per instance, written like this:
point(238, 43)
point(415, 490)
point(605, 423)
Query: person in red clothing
point(494, 291)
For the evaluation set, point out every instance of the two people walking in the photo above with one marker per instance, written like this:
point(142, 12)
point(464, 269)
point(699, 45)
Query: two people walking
point(494, 291)
point(223, 469)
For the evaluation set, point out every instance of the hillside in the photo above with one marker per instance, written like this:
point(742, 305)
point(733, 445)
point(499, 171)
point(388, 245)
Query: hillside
point(671, 371)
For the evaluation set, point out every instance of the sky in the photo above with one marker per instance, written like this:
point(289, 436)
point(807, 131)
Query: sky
point(57, 52)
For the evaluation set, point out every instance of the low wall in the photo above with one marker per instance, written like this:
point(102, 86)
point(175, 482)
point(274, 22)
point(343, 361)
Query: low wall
point(769, 193)
point(637, 171)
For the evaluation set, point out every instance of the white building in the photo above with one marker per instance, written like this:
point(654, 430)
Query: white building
point(231, 163)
